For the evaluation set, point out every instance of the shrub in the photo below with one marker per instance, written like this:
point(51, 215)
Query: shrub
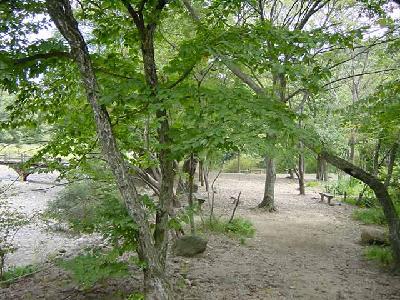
point(96, 207)
point(351, 186)
point(95, 266)
point(383, 255)
point(238, 228)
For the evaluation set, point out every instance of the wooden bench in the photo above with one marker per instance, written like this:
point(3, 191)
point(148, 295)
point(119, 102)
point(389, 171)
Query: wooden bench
point(328, 196)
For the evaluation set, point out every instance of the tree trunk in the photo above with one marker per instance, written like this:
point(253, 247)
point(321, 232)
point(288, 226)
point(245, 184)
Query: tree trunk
point(301, 171)
point(238, 162)
point(375, 162)
point(268, 202)
point(322, 170)
point(192, 170)
point(151, 249)
point(392, 160)
point(201, 172)
point(291, 173)
point(352, 144)
point(381, 193)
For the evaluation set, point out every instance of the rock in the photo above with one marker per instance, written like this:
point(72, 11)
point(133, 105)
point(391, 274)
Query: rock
point(370, 236)
point(189, 245)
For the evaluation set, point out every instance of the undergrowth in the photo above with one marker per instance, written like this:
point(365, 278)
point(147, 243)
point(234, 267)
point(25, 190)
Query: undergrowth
point(95, 266)
point(370, 216)
point(312, 184)
point(383, 255)
point(239, 228)
point(14, 273)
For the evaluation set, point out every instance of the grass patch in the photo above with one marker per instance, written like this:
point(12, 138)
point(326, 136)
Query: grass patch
point(239, 228)
point(312, 184)
point(370, 216)
point(14, 273)
point(383, 255)
point(351, 201)
point(246, 163)
point(95, 266)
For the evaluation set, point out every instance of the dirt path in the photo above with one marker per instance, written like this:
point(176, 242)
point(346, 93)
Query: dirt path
point(307, 250)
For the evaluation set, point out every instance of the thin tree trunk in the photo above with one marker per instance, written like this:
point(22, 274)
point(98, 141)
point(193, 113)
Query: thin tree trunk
point(322, 169)
point(238, 162)
point(375, 166)
point(352, 144)
point(205, 173)
point(392, 160)
point(301, 170)
point(151, 249)
point(291, 173)
point(201, 172)
point(268, 202)
point(192, 169)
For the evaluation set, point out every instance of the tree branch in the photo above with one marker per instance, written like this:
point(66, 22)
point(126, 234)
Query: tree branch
point(40, 56)
point(359, 74)
point(183, 76)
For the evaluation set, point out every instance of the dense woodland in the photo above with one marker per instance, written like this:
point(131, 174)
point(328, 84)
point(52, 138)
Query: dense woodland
point(142, 98)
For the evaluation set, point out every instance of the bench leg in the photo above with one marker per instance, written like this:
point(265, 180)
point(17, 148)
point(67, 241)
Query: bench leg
point(322, 199)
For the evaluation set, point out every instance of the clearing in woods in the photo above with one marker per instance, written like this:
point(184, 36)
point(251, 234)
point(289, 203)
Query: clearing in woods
point(307, 250)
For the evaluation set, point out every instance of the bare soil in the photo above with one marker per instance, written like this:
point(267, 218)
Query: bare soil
point(306, 250)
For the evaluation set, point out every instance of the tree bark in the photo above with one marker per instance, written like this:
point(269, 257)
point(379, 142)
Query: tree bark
point(149, 248)
point(322, 170)
point(192, 170)
point(201, 172)
point(381, 193)
point(268, 202)
point(301, 170)
point(352, 144)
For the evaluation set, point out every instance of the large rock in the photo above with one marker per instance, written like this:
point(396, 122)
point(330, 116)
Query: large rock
point(374, 236)
point(189, 245)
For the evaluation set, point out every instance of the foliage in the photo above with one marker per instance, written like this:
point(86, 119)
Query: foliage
point(370, 215)
point(381, 254)
point(313, 183)
point(91, 206)
point(239, 228)
point(350, 186)
point(95, 266)
point(246, 163)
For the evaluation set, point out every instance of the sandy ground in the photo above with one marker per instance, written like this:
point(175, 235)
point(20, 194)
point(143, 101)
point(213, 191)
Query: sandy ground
point(307, 250)
point(37, 242)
